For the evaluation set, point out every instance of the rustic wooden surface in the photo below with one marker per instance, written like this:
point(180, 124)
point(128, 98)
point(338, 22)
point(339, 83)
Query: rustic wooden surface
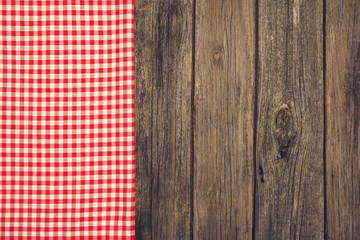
point(289, 134)
point(342, 119)
point(163, 90)
point(224, 111)
point(247, 119)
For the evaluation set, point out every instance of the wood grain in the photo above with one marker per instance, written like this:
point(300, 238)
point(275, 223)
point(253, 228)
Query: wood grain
point(163, 90)
point(342, 119)
point(290, 112)
point(223, 130)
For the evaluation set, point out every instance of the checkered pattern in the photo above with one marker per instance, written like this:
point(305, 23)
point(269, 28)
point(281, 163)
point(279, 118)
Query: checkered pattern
point(66, 119)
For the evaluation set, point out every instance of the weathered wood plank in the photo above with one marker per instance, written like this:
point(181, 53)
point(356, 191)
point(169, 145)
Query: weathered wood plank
point(343, 119)
point(289, 138)
point(163, 90)
point(223, 131)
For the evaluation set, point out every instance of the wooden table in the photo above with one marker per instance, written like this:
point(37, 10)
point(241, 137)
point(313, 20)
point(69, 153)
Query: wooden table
point(247, 118)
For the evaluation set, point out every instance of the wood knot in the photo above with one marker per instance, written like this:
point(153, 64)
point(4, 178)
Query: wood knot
point(261, 172)
point(217, 54)
point(211, 193)
point(284, 130)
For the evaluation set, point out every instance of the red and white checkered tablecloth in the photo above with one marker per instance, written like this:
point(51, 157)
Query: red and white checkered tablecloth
point(67, 167)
